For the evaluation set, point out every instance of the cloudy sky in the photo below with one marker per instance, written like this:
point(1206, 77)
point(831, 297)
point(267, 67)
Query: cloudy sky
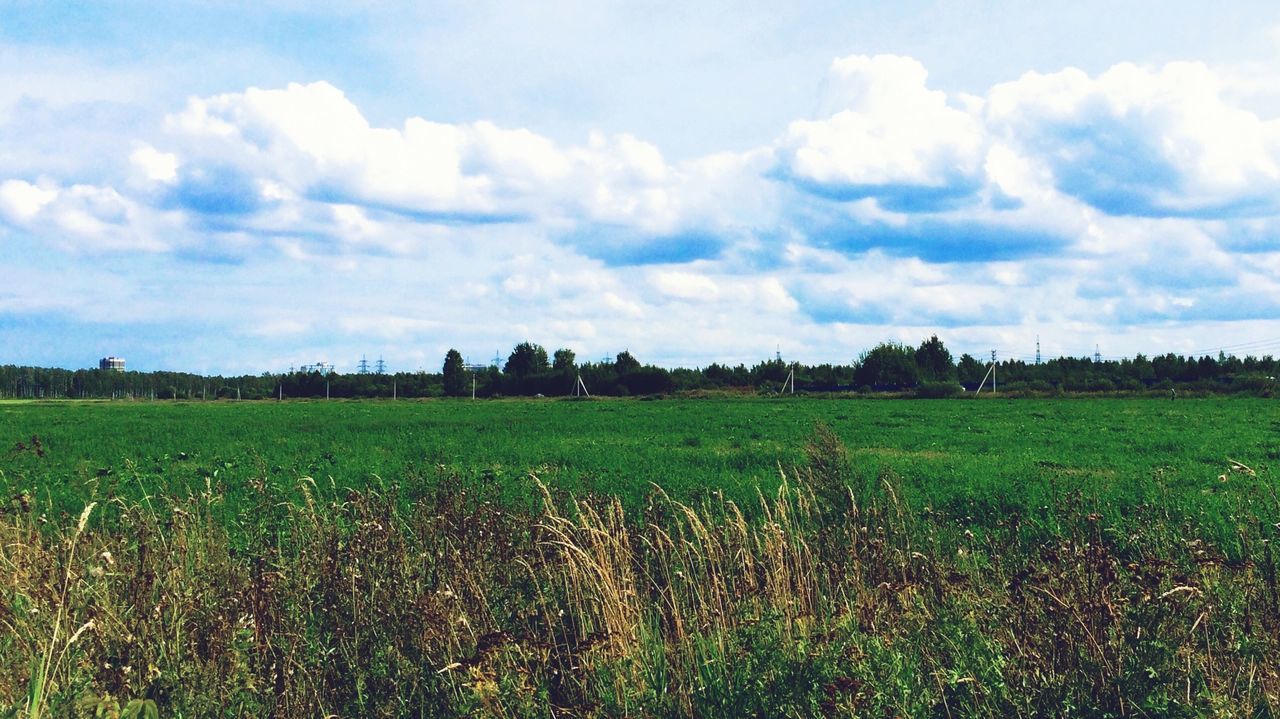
point(241, 187)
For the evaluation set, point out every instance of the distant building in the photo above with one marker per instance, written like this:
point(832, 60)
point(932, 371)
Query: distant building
point(112, 363)
point(319, 367)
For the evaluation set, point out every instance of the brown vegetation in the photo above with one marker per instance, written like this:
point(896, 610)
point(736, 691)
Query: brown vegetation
point(825, 602)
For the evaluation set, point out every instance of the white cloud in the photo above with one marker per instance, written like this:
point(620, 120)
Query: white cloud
point(257, 158)
point(315, 141)
point(82, 217)
point(883, 130)
point(686, 286)
point(1139, 141)
point(919, 211)
point(21, 201)
point(154, 165)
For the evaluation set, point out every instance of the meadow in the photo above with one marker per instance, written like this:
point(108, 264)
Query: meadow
point(673, 557)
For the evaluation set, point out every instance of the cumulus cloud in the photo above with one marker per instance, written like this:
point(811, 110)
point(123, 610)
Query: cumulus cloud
point(155, 166)
point(86, 217)
point(243, 155)
point(21, 201)
point(1140, 141)
point(1062, 199)
point(884, 134)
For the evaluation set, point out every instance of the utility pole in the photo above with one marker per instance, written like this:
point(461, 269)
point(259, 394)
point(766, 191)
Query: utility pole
point(991, 372)
point(1037, 349)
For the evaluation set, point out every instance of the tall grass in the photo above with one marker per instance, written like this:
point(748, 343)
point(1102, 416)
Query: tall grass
point(830, 596)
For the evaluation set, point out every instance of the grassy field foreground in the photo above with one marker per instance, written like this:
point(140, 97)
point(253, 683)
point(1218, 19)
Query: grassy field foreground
point(670, 558)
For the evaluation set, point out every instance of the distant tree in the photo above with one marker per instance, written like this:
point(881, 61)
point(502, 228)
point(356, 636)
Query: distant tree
point(564, 361)
point(887, 365)
point(646, 380)
point(970, 369)
point(525, 360)
point(934, 361)
point(455, 374)
point(774, 370)
point(625, 363)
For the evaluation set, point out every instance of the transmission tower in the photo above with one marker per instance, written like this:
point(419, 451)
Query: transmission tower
point(381, 366)
point(1037, 349)
point(363, 367)
point(1097, 356)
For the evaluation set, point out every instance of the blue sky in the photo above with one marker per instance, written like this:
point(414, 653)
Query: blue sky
point(242, 187)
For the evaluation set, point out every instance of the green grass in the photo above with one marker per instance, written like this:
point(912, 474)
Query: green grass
point(972, 458)
point(448, 558)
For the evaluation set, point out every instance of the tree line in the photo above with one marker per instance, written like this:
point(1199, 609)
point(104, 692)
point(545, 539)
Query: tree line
point(928, 369)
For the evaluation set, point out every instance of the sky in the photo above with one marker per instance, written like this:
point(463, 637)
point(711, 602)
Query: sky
point(246, 187)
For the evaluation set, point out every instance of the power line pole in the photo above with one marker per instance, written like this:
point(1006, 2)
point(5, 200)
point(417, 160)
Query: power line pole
point(381, 366)
point(363, 367)
point(1097, 355)
point(1037, 349)
point(991, 372)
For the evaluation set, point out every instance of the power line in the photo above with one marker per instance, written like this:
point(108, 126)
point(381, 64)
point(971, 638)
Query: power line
point(1251, 346)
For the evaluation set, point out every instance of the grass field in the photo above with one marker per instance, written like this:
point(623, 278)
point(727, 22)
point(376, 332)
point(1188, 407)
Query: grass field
point(1099, 557)
point(943, 450)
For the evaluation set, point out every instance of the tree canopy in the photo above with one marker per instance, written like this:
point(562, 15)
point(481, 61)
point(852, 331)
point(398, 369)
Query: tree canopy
point(454, 374)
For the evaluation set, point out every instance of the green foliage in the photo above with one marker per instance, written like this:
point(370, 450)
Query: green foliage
point(625, 363)
point(454, 374)
point(938, 390)
point(525, 360)
point(934, 361)
point(889, 365)
point(564, 361)
point(442, 598)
